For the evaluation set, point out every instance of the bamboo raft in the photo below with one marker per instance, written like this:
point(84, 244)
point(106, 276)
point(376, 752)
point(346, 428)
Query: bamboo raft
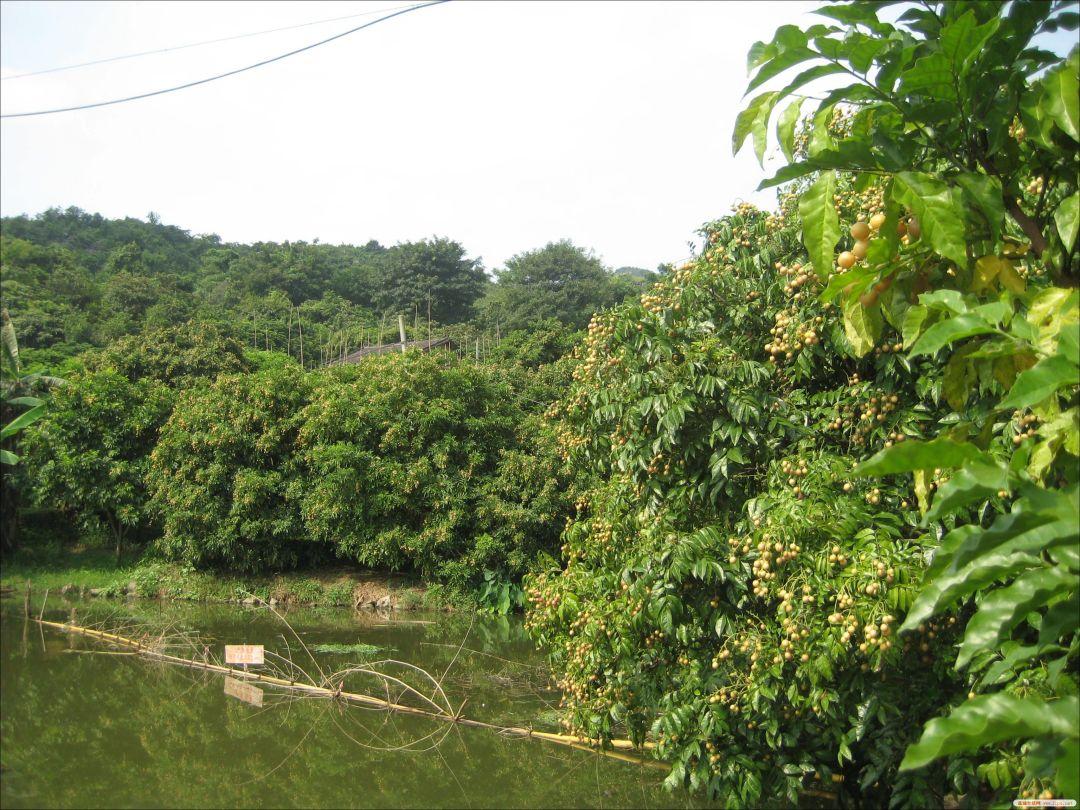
point(619, 749)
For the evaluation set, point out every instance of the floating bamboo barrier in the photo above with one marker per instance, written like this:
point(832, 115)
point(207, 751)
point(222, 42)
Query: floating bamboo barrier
point(619, 748)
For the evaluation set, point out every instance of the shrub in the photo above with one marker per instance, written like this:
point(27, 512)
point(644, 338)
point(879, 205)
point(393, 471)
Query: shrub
point(418, 461)
point(220, 474)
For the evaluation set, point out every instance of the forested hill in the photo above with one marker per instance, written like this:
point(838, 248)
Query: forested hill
point(73, 280)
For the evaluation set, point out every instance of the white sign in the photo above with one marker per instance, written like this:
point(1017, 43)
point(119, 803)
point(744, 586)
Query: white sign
point(244, 654)
point(243, 691)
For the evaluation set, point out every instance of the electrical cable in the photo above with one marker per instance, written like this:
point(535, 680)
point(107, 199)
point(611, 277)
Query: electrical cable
point(194, 44)
point(222, 75)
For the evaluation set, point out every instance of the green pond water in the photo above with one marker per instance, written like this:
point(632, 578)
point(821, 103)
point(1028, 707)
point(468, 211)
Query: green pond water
point(84, 726)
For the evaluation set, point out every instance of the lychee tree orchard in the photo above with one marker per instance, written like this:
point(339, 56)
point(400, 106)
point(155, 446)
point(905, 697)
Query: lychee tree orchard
point(831, 539)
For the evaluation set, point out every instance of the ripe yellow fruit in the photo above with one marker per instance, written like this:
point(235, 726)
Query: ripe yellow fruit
point(860, 231)
point(860, 249)
point(846, 259)
point(876, 221)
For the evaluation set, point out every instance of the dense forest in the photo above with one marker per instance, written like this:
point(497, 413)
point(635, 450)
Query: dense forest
point(73, 280)
point(799, 514)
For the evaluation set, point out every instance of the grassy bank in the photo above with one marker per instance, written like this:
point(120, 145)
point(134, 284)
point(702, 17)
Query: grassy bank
point(94, 571)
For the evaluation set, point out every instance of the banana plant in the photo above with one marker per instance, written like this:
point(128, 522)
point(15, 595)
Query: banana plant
point(13, 383)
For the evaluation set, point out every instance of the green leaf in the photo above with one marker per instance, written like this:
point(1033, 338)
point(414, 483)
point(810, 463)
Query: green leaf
point(859, 279)
point(807, 76)
point(914, 318)
point(1068, 768)
point(1040, 381)
point(913, 455)
point(959, 377)
point(744, 123)
point(1061, 99)
point(862, 325)
point(753, 120)
point(7, 457)
point(821, 224)
point(778, 64)
point(21, 421)
point(990, 719)
point(785, 128)
point(930, 77)
point(939, 209)
point(963, 38)
point(985, 194)
point(10, 343)
point(971, 558)
point(975, 481)
point(1002, 609)
point(1067, 219)
point(820, 138)
point(945, 332)
point(944, 301)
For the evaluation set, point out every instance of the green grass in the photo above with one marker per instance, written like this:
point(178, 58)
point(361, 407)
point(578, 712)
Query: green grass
point(367, 650)
point(86, 568)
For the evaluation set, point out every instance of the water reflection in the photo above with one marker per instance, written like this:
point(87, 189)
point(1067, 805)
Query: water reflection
point(85, 726)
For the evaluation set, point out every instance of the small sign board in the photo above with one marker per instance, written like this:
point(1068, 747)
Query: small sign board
point(244, 654)
point(243, 691)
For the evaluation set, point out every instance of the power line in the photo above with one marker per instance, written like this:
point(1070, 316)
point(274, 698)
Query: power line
point(194, 44)
point(222, 75)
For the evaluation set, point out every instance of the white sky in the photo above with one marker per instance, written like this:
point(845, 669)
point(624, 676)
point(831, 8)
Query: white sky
point(503, 125)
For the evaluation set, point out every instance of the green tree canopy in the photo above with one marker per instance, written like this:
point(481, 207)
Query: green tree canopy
point(436, 270)
point(560, 281)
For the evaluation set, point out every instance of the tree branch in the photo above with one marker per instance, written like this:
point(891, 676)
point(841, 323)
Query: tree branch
point(1028, 225)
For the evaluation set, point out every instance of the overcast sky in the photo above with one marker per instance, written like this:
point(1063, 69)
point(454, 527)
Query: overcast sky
point(503, 125)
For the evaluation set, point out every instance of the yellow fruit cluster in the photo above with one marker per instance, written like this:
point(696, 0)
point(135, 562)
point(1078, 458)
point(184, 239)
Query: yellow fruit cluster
point(790, 337)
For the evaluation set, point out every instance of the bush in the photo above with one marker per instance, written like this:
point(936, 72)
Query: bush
point(221, 473)
point(175, 356)
point(419, 462)
point(88, 455)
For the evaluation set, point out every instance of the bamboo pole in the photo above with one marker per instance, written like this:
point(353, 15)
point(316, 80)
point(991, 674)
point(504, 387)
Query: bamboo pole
point(300, 326)
point(365, 700)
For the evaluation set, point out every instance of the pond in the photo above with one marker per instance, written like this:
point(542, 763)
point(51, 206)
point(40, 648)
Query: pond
point(84, 724)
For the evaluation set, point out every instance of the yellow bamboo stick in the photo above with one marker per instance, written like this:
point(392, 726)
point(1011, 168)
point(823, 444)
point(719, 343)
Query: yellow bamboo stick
point(366, 700)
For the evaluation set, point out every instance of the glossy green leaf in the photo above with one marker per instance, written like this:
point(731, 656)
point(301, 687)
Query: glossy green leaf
point(990, 719)
point(1040, 381)
point(750, 119)
point(984, 193)
point(970, 567)
point(785, 127)
point(1061, 99)
point(1068, 768)
point(939, 209)
point(821, 225)
point(948, 331)
point(7, 457)
point(1002, 609)
point(1067, 219)
point(931, 77)
point(915, 455)
point(21, 421)
point(862, 325)
point(974, 482)
point(914, 318)
point(963, 37)
point(778, 64)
